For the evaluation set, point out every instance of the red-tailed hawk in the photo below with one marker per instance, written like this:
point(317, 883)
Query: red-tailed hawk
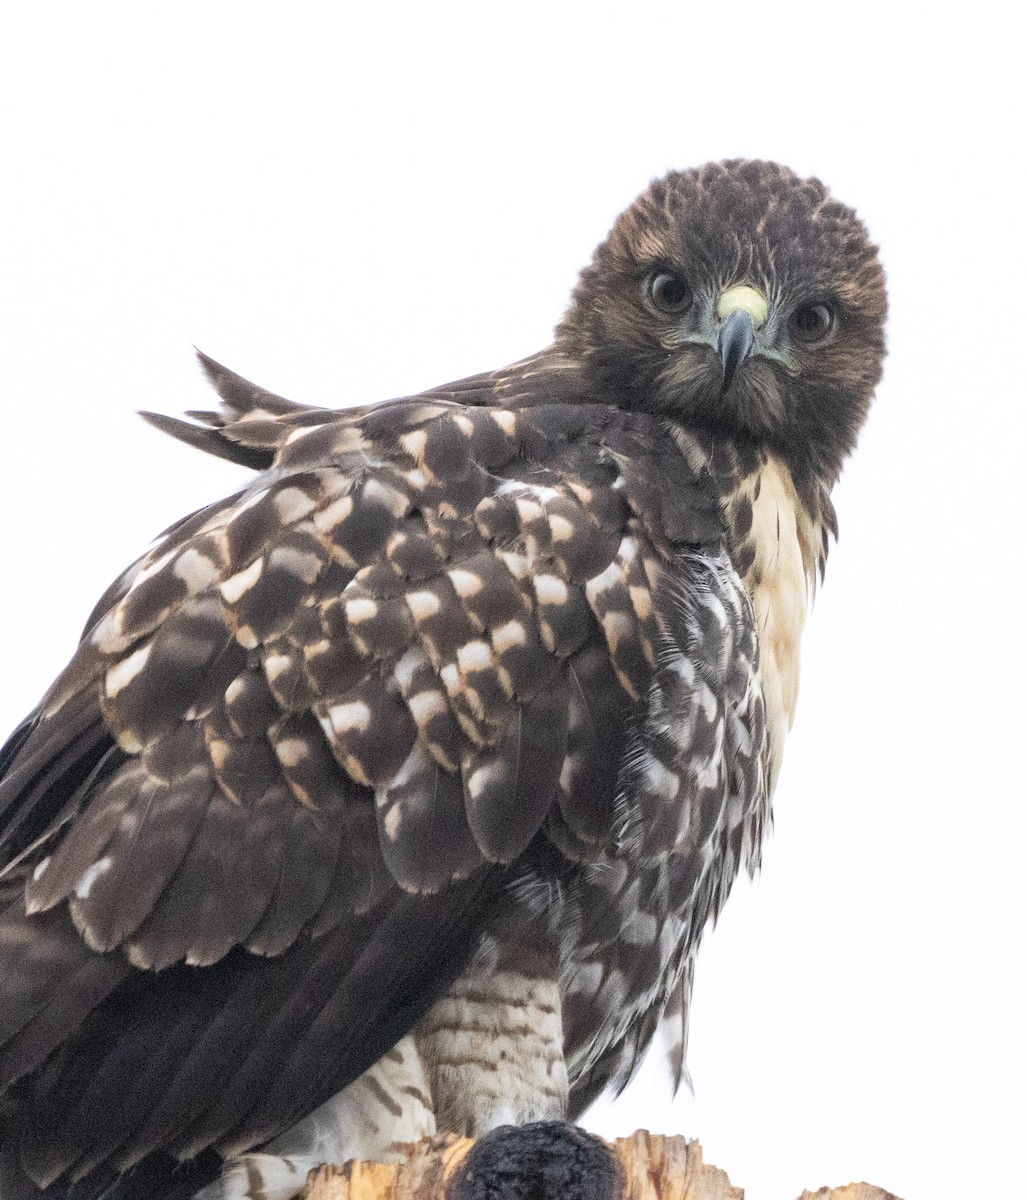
point(394, 793)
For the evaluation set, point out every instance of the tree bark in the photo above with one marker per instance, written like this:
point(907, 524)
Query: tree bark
point(546, 1161)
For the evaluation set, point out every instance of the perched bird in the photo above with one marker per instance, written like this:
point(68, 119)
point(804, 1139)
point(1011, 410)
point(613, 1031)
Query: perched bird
point(393, 793)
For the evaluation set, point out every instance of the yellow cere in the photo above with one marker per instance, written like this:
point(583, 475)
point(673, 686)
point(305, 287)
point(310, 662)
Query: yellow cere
point(741, 296)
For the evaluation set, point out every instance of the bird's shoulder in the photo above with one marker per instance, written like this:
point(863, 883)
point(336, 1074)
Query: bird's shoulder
point(461, 593)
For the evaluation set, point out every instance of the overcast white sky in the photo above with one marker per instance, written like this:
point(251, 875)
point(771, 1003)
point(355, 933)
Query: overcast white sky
point(347, 208)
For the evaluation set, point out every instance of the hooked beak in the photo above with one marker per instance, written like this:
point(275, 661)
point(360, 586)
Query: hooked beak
point(734, 343)
point(742, 310)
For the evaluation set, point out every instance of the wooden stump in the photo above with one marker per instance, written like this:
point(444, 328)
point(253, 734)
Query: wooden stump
point(546, 1161)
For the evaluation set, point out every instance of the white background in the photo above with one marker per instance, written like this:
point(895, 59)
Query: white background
point(347, 208)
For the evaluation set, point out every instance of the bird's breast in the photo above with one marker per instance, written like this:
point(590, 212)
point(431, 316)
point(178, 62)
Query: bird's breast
point(777, 544)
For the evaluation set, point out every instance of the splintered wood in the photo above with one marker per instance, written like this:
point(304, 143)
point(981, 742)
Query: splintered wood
point(425, 1173)
point(540, 1163)
point(855, 1191)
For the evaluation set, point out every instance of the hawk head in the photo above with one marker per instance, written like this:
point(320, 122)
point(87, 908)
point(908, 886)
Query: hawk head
point(739, 296)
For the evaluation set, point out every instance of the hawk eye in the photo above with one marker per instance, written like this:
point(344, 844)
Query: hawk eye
point(813, 323)
point(668, 292)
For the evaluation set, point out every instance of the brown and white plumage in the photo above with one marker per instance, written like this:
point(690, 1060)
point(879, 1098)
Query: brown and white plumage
point(395, 792)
